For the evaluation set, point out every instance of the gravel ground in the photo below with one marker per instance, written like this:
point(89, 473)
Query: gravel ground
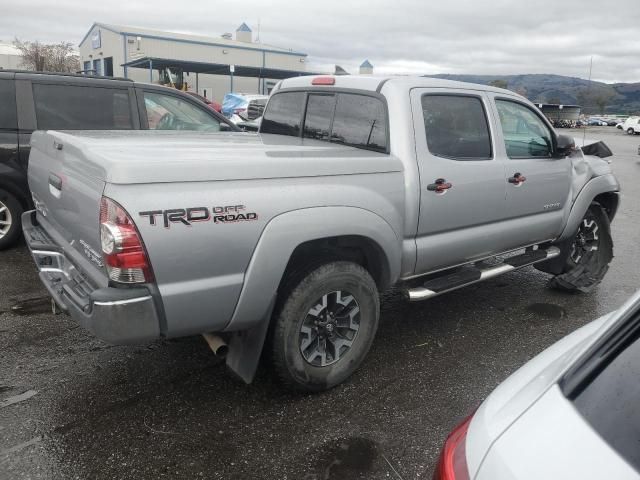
point(172, 410)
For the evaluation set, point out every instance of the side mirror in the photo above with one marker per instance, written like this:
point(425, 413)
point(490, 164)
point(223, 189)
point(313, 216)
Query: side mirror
point(564, 146)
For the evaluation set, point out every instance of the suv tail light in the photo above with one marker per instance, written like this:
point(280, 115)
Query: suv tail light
point(452, 464)
point(122, 249)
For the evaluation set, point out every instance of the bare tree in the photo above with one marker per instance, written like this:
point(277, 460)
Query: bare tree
point(595, 99)
point(42, 57)
point(499, 83)
point(522, 90)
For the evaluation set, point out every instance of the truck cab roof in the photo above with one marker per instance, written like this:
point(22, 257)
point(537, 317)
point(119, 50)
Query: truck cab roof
point(375, 83)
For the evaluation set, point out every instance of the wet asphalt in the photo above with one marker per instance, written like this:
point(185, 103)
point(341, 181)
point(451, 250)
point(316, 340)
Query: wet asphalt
point(87, 410)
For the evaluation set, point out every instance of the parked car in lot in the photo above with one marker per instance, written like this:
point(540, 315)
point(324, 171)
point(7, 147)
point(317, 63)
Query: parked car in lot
point(210, 103)
point(571, 412)
point(36, 101)
point(631, 125)
point(241, 107)
point(354, 184)
point(598, 122)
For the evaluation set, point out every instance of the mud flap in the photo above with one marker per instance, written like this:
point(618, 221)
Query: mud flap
point(245, 348)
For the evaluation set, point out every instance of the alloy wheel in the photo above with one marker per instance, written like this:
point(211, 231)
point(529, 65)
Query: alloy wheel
point(587, 240)
point(329, 328)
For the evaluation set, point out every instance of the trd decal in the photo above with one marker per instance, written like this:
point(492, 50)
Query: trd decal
point(189, 216)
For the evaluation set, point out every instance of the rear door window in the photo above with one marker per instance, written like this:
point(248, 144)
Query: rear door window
point(456, 127)
point(284, 114)
point(8, 119)
point(70, 107)
point(360, 121)
point(168, 112)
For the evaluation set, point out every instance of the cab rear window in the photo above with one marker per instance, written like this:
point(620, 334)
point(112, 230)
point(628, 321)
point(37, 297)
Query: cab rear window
point(360, 121)
point(283, 115)
point(356, 120)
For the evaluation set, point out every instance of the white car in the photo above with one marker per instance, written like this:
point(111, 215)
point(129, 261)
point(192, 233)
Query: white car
point(631, 125)
point(573, 412)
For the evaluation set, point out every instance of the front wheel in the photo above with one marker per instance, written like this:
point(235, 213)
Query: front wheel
point(325, 326)
point(590, 253)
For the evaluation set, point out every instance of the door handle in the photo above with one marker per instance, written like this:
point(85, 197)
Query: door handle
point(55, 181)
point(517, 179)
point(439, 186)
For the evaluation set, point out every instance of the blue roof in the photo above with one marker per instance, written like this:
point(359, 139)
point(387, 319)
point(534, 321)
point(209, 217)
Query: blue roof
point(243, 28)
point(366, 64)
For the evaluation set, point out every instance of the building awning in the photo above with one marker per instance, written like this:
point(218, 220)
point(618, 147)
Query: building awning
point(215, 68)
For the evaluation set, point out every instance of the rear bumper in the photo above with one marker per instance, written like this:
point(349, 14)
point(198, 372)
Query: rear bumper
point(115, 315)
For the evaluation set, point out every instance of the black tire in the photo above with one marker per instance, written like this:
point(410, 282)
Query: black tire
point(10, 219)
point(631, 131)
point(590, 254)
point(300, 314)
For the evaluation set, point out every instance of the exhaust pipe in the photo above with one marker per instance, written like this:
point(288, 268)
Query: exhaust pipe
point(217, 344)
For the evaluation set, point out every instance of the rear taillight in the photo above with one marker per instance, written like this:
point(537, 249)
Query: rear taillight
point(122, 249)
point(452, 464)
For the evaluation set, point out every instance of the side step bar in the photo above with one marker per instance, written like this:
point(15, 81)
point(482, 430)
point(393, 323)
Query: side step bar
point(469, 275)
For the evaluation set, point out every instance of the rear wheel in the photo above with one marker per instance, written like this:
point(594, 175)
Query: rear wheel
point(590, 253)
point(10, 219)
point(325, 326)
point(630, 131)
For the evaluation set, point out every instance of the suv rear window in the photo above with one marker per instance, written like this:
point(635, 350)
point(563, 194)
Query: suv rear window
point(456, 127)
point(8, 117)
point(67, 107)
point(284, 114)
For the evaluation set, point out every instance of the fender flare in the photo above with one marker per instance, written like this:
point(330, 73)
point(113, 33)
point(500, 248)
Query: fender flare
point(594, 187)
point(287, 231)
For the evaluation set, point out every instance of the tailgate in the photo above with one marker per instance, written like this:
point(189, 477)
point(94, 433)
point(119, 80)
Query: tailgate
point(66, 191)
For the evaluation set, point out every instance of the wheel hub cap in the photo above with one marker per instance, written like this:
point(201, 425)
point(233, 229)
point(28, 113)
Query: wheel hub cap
point(329, 329)
point(5, 219)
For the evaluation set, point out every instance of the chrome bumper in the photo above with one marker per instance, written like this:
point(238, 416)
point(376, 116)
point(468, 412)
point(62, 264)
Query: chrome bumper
point(115, 315)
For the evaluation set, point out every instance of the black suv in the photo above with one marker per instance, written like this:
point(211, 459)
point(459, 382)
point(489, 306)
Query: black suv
point(42, 101)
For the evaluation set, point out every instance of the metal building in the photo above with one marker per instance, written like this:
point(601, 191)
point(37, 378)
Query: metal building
point(212, 66)
point(10, 56)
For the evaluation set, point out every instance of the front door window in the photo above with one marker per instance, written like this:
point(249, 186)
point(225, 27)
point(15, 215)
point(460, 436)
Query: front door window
point(525, 134)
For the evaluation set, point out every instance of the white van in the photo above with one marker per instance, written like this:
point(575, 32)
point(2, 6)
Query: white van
point(631, 125)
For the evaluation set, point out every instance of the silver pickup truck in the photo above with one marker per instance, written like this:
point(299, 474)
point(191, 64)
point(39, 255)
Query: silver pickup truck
point(285, 239)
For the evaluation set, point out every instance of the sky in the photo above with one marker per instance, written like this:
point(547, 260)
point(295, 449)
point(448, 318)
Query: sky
point(493, 37)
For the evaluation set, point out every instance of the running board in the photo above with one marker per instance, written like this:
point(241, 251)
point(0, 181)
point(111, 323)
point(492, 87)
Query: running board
point(469, 275)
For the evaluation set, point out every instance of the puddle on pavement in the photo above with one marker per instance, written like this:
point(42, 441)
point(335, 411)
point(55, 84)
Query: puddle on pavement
point(32, 306)
point(548, 310)
point(346, 458)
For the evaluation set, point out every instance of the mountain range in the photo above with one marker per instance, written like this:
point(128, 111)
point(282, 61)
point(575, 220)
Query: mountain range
point(594, 97)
